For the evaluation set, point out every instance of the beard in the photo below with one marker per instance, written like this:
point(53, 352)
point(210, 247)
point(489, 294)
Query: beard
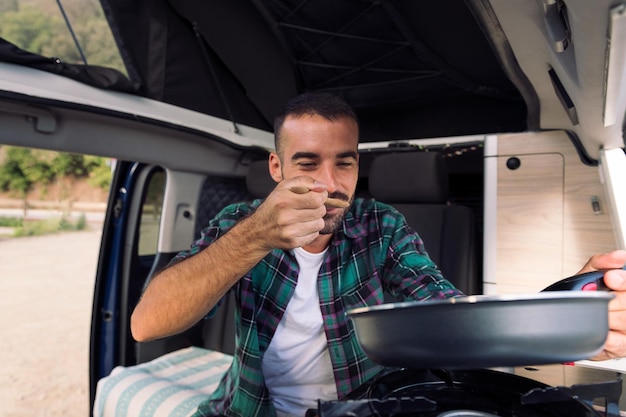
point(334, 221)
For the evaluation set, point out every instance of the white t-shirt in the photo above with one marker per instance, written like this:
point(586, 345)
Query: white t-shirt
point(296, 365)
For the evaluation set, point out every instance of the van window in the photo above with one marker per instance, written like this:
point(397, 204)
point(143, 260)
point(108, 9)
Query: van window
point(73, 31)
point(151, 214)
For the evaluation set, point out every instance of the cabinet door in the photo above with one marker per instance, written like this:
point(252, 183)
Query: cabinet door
point(544, 215)
point(529, 222)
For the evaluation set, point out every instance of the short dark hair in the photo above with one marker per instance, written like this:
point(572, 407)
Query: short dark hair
point(327, 105)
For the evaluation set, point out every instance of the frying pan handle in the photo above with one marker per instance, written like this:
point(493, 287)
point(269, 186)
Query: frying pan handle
point(588, 281)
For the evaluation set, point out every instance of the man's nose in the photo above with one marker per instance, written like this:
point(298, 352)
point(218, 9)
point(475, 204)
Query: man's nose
point(328, 176)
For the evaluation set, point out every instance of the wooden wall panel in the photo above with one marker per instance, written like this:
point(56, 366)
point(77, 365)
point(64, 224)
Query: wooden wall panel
point(546, 225)
point(530, 222)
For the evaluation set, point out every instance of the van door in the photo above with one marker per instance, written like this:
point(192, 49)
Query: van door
point(127, 255)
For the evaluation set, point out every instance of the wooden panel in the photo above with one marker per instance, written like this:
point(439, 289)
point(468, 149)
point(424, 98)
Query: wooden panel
point(534, 246)
point(529, 223)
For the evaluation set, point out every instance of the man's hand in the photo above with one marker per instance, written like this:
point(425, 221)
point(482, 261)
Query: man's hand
point(615, 279)
point(292, 219)
point(182, 294)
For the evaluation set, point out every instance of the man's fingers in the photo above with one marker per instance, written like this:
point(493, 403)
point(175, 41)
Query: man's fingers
point(299, 234)
point(304, 184)
point(615, 259)
point(615, 279)
point(615, 343)
point(331, 202)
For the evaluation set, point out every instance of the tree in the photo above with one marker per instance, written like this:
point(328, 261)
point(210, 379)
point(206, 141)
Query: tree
point(22, 168)
point(38, 26)
point(29, 28)
point(14, 176)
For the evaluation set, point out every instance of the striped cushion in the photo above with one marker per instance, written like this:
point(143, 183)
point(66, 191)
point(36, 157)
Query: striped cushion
point(170, 386)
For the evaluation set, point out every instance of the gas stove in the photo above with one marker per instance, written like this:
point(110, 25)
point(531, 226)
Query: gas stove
point(474, 393)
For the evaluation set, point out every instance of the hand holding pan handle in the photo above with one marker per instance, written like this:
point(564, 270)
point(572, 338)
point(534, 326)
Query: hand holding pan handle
point(589, 281)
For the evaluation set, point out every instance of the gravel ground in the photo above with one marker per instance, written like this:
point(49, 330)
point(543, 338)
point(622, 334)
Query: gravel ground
point(46, 287)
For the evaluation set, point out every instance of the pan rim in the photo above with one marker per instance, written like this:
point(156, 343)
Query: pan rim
point(484, 298)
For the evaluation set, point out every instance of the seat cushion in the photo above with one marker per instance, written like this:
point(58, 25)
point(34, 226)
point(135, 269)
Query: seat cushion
point(171, 385)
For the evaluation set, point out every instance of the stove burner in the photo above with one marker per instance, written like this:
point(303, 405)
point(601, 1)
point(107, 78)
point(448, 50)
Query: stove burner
point(469, 393)
point(466, 413)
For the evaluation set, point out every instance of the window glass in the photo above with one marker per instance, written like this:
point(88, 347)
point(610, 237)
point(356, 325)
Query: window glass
point(151, 213)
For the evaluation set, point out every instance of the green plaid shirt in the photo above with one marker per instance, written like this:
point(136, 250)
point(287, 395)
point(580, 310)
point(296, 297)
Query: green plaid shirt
point(375, 251)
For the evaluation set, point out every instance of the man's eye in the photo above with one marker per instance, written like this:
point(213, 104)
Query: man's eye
point(345, 164)
point(306, 164)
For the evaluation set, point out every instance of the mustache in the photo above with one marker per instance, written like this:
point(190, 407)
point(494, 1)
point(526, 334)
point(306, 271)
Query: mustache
point(339, 196)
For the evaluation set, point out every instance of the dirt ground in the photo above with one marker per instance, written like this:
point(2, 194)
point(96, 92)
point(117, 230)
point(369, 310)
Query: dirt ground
point(46, 287)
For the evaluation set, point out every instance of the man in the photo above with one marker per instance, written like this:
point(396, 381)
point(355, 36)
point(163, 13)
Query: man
point(297, 264)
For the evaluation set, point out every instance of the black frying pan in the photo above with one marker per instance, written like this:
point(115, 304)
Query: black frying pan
point(554, 326)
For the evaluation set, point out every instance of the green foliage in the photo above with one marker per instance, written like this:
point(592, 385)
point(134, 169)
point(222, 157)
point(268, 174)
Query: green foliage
point(66, 225)
point(13, 173)
point(38, 26)
point(11, 221)
point(69, 164)
point(37, 228)
point(24, 167)
point(38, 171)
point(81, 223)
point(99, 172)
point(29, 28)
point(47, 226)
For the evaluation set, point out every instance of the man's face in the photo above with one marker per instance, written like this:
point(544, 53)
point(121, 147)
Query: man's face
point(322, 149)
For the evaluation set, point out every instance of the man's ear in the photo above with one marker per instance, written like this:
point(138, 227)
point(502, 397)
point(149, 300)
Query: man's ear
point(275, 167)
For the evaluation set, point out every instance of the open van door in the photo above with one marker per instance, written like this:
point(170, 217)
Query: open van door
point(127, 255)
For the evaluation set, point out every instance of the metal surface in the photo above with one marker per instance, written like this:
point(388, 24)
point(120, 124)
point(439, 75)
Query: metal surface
point(485, 331)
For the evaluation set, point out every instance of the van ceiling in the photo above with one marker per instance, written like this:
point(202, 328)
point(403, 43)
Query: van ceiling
point(411, 69)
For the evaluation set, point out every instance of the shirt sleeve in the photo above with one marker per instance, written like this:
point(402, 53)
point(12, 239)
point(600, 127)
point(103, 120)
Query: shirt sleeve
point(410, 274)
point(217, 227)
